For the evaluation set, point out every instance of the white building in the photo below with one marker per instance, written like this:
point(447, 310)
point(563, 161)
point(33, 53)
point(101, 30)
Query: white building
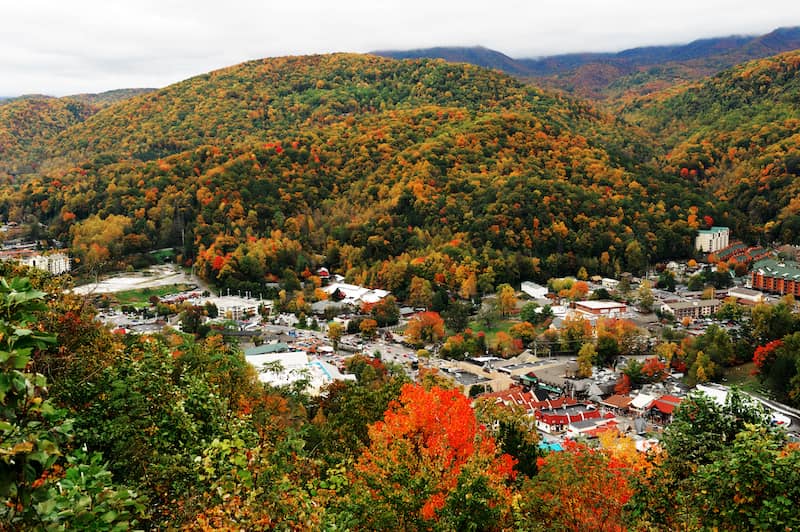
point(287, 367)
point(601, 308)
point(747, 295)
point(712, 240)
point(233, 307)
point(355, 295)
point(535, 291)
point(54, 263)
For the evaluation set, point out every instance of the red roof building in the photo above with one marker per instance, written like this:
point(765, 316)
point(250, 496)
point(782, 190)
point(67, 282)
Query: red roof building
point(557, 419)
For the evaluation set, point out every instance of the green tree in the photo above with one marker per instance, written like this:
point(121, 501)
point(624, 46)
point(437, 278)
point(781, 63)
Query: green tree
point(35, 438)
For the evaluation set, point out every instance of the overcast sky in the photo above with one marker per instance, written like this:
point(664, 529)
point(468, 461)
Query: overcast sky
point(64, 47)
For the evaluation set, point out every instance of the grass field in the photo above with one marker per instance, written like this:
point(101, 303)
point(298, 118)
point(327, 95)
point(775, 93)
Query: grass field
point(491, 333)
point(141, 296)
point(742, 377)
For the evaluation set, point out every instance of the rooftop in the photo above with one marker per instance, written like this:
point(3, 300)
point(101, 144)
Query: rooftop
point(787, 269)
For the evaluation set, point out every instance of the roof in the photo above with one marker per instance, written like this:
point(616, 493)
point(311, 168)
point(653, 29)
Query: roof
point(772, 268)
point(692, 304)
point(713, 230)
point(266, 349)
point(666, 404)
point(618, 401)
point(642, 400)
point(600, 304)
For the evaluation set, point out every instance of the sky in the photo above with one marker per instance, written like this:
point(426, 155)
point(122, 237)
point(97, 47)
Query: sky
point(61, 47)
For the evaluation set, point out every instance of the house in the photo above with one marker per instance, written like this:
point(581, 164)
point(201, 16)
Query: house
point(692, 309)
point(711, 240)
point(776, 277)
point(53, 263)
point(641, 403)
point(533, 290)
point(609, 284)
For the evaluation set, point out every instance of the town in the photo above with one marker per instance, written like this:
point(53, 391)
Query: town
point(581, 355)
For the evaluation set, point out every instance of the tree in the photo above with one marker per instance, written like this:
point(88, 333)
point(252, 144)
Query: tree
point(488, 316)
point(335, 333)
point(430, 461)
point(586, 357)
point(506, 299)
point(607, 351)
point(386, 312)
point(645, 296)
point(424, 328)
point(523, 331)
point(529, 312)
point(420, 293)
point(368, 328)
point(43, 482)
point(456, 316)
point(578, 489)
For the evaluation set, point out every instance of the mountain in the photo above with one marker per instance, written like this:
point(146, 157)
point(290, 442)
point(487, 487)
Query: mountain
point(377, 168)
point(738, 134)
point(631, 72)
point(475, 55)
point(102, 99)
point(29, 124)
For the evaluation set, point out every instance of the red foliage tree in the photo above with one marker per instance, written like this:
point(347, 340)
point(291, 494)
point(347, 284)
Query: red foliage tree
point(764, 354)
point(427, 450)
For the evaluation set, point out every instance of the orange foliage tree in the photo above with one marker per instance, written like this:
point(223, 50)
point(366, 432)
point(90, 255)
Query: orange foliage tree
point(430, 463)
point(425, 327)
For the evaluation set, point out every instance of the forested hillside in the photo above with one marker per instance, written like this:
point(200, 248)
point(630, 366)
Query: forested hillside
point(377, 168)
point(737, 134)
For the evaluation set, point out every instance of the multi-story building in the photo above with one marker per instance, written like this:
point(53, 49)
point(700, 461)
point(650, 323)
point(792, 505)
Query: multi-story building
point(711, 240)
point(776, 277)
point(54, 263)
point(692, 309)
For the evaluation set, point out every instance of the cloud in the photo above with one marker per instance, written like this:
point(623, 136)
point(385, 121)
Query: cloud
point(92, 45)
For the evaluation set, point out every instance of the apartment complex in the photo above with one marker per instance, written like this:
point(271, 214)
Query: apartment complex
point(776, 277)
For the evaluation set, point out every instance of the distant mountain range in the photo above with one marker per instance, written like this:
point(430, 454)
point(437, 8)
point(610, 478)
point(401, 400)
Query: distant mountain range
point(637, 70)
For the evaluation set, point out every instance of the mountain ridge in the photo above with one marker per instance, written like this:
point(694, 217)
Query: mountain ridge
point(589, 74)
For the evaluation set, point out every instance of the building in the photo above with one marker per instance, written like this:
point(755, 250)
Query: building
point(663, 408)
point(601, 308)
point(711, 240)
point(692, 309)
point(533, 290)
point(553, 420)
point(233, 307)
point(354, 295)
point(776, 277)
point(54, 263)
point(745, 295)
point(608, 283)
point(279, 366)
